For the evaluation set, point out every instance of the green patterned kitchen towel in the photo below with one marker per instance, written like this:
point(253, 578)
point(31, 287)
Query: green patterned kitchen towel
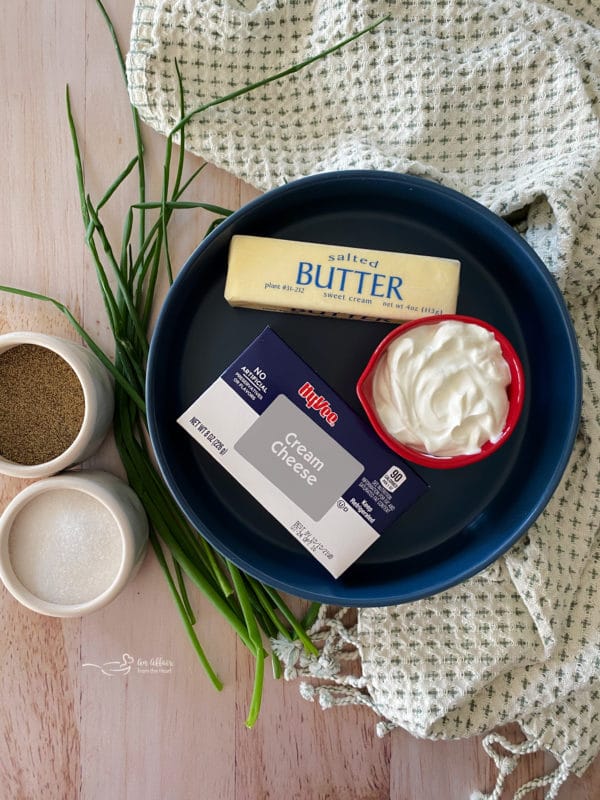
point(498, 100)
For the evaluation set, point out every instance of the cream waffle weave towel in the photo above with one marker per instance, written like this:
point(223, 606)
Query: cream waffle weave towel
point(500, 101)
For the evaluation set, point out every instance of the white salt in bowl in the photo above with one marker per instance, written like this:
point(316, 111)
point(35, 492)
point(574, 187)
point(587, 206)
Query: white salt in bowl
point(98, 396)
point(70, 543)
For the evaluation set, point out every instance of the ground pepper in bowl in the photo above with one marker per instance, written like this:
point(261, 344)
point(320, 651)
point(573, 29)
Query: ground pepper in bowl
point(41, 404)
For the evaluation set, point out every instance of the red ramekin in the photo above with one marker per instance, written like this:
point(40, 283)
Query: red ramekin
point(515, 391)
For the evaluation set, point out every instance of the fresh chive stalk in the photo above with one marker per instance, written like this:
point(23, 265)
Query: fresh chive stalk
point(127, 279)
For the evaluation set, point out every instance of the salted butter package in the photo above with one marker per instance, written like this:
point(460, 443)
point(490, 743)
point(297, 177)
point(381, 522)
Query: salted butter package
point(302, 452)
point(339, 281)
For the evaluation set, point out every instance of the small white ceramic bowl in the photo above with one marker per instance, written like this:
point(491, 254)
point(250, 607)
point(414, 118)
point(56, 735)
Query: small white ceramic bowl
point(78, 554)
point(98, 394)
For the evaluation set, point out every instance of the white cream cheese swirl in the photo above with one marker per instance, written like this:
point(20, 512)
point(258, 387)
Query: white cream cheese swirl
point(441, 388)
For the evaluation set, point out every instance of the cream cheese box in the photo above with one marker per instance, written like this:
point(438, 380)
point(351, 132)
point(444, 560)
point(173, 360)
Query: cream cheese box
point(302, 453)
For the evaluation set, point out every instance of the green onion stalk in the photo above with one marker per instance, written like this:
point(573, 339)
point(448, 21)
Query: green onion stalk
point(127, 277)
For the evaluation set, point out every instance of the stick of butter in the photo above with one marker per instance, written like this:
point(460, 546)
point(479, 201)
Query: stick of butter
point(339, 281)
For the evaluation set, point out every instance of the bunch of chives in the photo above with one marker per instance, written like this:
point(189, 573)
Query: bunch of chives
point(127, 278)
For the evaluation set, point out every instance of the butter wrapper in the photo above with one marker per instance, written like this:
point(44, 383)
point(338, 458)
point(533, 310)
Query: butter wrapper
point(335, 280)
point(302, 453)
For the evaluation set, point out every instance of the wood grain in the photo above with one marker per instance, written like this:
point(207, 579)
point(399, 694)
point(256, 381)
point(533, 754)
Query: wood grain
point(158, 733)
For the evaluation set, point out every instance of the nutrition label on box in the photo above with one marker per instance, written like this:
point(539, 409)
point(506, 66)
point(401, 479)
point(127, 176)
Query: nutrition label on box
point(302, 452)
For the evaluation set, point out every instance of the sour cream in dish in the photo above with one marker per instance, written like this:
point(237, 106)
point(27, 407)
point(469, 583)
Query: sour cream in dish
point(442, 388)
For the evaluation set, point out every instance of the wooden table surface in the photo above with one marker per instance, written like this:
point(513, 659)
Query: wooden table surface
point(67, 731)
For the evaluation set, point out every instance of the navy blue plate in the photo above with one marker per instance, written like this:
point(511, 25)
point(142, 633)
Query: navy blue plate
point(470, 516)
